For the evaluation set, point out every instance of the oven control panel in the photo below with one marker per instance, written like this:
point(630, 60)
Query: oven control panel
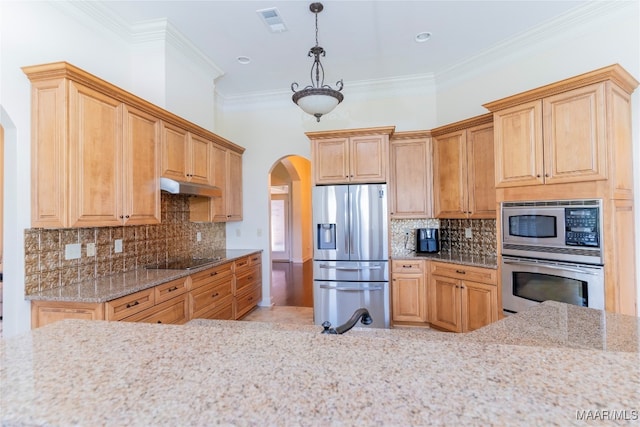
point(582, 226)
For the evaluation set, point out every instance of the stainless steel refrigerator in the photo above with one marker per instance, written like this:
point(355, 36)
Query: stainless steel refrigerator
point(350, 266)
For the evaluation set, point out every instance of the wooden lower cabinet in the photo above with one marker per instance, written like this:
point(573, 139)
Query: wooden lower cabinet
point(247, 284)
point(172, 311)
point(461, 298)
point(45, 312)
point(408, 292)
point(211, 294)
point(227, 291)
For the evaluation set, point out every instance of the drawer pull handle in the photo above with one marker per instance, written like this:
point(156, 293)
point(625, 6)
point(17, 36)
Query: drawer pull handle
point(461, 272)
point(159, 321)
point(407, 266)
point(215, 295)
point(133, 304)
point(175, 288)
point(250, 278)
point(214, 273)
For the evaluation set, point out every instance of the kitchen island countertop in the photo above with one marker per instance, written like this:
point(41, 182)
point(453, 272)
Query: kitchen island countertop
point(77, 372)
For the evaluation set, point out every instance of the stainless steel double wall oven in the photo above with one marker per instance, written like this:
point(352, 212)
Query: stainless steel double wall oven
point(552, 250)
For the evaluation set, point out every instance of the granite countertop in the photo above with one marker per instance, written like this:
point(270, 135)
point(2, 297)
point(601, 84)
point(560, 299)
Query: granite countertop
point(77, 372)
point(118, 285)
point(487, 261)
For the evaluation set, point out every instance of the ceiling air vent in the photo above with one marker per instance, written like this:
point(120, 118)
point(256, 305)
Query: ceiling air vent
point(272, 19)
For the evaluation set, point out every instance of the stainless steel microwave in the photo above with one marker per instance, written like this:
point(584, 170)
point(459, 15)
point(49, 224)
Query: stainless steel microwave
point(569, 230)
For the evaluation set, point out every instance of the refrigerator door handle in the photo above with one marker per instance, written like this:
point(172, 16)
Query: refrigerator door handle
point(345, 289)
point(331, 267)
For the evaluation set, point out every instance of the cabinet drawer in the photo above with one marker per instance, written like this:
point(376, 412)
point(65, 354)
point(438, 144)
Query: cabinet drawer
point(45, 312)
point(216, 273)
point(465, 272)
point(407, 266)
point(242, 264)
point(173, 311)
point(222, 312)
point(171, 289)
point(129, 305)
point(206, 298)
point(247, 279)
point(248, 300)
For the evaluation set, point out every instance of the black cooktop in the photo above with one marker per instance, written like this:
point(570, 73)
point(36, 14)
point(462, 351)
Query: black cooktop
point(183, 264)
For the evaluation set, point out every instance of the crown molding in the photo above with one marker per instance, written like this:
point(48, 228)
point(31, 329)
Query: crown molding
point(416, 84)
point(160, 30)
point(522, 44)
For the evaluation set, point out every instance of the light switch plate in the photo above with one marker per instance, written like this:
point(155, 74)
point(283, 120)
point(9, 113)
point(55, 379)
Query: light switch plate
point(117, 246)
point(72, 251)
point(467, 233)
point(198, 236)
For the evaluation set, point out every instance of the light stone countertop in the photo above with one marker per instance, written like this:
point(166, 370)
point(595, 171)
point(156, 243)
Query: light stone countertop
point(118, 285)
point(455, 258)
point(90, 373)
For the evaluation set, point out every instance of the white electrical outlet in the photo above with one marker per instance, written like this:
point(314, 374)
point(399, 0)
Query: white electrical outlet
point(259, 232)
point(72, 251)
point(237, 232)
point(198, 236)
point(117, 247)
point(468, 233)
point(91, 249)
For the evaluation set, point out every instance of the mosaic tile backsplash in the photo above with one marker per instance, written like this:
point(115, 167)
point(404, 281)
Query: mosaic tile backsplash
point(452, 236)
point(47, 268)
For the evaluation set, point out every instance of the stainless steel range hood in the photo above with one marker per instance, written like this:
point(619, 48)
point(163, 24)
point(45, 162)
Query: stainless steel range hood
point(180, 187)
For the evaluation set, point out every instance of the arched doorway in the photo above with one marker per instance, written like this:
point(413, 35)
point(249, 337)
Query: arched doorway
point(291, 240)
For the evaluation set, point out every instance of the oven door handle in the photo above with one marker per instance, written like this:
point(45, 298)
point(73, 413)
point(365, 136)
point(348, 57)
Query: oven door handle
point(553, 267)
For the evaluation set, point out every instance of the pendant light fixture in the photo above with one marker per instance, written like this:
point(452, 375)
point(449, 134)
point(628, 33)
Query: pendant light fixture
point(317, 99)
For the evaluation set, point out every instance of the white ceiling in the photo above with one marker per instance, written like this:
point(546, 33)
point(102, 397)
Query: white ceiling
point(364, 40)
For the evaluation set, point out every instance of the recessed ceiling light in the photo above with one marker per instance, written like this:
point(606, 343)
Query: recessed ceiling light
point(244, 60)
point(423, 36)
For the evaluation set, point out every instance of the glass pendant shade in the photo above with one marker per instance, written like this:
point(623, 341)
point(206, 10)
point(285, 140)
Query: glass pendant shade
point(317, 101)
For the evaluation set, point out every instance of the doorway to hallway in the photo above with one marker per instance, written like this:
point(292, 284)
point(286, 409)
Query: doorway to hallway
point(291, 240)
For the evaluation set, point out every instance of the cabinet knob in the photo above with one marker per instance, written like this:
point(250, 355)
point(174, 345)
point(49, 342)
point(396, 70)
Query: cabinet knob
point(538, 176)
point(546, 175)
point(215, 295)
point(127, 216)
point(121, 216)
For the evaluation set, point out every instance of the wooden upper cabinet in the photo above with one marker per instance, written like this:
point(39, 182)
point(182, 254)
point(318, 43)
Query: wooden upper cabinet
point(82, 149)
point(565, 132)
point(141, 167)
point(226, 167)
point(358, 156)
point(185, 156)
point(95, 158)
point(463, 169)
point(410, 180)
point(574, 126)
point(518, 145)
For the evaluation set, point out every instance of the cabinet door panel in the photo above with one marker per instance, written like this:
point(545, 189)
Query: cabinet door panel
point(449, 175)
point(368, 159)
point(409, 184)
point(219, 179)
point(479, 305)
point(518, 145)
point(141, 168)
point(574, 135)
point(174, 152)
point(234, 186)
point(199, 156)
point(480, 168)
point(49, 195)
point(444, 303)
point(409, 299)
point(95, 158)
point(331, 161)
